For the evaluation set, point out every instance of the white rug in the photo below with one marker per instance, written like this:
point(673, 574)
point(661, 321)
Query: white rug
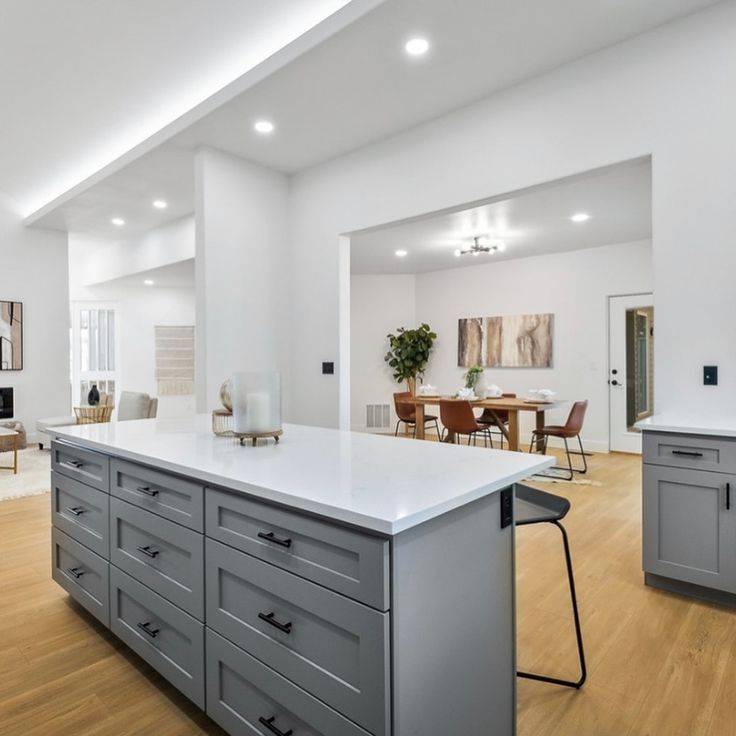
point(33, 478)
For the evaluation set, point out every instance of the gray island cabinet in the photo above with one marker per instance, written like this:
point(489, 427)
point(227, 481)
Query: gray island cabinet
point(335, 584)
point(689, 509)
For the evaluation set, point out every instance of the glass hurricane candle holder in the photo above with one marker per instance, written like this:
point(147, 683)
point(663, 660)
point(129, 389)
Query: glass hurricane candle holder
point(256, 399)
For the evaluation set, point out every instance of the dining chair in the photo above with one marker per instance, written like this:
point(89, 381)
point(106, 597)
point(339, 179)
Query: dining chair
point(572, 428)
point(458, 417)
point(496, 418)
point(532, 506)
point(407, 414)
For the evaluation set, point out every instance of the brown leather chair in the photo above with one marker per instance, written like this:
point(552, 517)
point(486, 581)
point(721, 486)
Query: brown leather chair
point(407, 414)
point(495, 418)
point(458, 417)
point(572, 428)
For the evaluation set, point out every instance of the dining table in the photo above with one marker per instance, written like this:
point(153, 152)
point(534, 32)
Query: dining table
point(511, 405)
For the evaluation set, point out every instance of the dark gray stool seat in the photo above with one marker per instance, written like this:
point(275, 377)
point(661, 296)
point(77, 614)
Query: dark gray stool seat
point(539, 507)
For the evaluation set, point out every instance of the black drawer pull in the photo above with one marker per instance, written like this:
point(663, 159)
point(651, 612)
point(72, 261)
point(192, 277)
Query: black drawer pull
point(76, 572)
point(152, 492)
point(146, 629)
point(75, 463)
point(687, 454)
point(271, 537)
point(268, 723)
point(728, 496)
point(76, 510)
point(269, 619)
point(149, 551)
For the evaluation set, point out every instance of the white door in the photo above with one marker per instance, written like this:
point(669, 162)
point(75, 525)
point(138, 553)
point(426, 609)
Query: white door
point(630, 377)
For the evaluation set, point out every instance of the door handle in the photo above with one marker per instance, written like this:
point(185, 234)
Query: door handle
point(76, 510)
point(152, 492)
point(728, 496)
point(268, 723)
point(146, 629)
point(269, 618)
point(76, 572)
point(75, 463)
point(614, 382)
point(271, 537)
point(149, 551)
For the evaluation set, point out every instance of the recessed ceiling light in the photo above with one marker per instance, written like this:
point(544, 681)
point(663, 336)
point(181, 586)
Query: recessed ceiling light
point(417, 47)
point(580, 217)
point(149, 282)
point(160, 204)
point(264, 126)
point(118, 221)
point(401, 254)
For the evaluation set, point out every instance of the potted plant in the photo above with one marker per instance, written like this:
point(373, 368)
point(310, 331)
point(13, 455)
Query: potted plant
point(472, 376)
point(408, 353)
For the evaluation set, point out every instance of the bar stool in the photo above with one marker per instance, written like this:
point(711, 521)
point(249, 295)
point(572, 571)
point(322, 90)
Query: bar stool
point(407, 414)
point(537, 507)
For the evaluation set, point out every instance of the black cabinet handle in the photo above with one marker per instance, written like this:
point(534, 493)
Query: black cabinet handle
point(728, 496)
point(687, 454)
point(271, 537)
point(268, 723)
point(269, 619)
point(75, 572)
point(146, 629)
point(76, 510)
point(149, 551)
point(75, 463)
point(152, 492)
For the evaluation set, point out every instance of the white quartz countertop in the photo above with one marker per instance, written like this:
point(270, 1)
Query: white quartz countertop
point(378, 483)
point(689, 424)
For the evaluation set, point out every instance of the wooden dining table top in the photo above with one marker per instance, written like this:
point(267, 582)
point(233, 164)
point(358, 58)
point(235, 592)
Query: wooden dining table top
point(502, 402)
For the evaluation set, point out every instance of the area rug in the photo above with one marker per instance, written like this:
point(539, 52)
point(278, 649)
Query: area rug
point(576, 482)
point(33, 474)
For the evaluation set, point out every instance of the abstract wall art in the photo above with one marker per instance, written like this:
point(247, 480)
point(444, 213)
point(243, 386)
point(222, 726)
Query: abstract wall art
point(509, 341)
point(11, 336)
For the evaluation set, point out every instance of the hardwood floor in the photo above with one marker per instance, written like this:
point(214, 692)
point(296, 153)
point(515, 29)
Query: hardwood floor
point(659, 665)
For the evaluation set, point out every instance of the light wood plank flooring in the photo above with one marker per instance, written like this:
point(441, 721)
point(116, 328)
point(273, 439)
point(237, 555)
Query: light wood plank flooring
point(659, 665)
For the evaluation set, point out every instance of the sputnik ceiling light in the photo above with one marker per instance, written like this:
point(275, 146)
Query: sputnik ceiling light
point(477, 247)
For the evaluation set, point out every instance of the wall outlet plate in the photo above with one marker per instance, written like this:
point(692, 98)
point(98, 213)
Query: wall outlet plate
point(710, 375)
point(328, 369)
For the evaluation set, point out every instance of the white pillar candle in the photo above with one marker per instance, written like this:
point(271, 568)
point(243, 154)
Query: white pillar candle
point(258, 412)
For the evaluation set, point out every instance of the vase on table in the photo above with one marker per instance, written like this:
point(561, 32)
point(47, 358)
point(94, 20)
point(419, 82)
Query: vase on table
point(93, 397)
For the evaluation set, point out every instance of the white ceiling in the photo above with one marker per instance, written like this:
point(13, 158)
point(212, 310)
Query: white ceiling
point(358, 86)
point(84, 81)
point(533, 222)
point(178, 275)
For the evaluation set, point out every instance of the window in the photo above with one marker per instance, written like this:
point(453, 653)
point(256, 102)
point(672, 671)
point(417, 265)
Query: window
point(94, 350)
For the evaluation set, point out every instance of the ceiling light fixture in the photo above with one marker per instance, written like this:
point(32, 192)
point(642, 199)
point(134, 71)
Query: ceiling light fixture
point(580, 217)
point(417, 47)
point(149, 282)
point(264, 127)
point(118, 221)
point(401, 253)
point(160, 204)
point(476, 248)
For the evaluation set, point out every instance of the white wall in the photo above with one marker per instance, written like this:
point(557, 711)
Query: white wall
point(379, 305)
point(241, 271)
point(663, 93)
point(33, 270)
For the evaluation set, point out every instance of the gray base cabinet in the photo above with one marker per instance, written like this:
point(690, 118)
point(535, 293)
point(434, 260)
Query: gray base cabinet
point(689, 511)
point(278, 622)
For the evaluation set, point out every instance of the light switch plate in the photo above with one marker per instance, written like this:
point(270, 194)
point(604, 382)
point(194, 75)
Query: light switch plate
point(710, 375)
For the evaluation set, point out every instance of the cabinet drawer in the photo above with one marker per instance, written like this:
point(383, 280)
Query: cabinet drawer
point(171, 641)
point(242, 693)
point(82, 574)
point(86, 466)
point(177, 499)
point(163, 555)
point(81, 512)
point(333, 647)
point(689, 451)
point(349, 562)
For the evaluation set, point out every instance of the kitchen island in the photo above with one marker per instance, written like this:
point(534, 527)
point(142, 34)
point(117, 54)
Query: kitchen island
point(335, 583)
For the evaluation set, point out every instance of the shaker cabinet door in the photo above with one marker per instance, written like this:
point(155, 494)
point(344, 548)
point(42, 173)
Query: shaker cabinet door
point(689, 520)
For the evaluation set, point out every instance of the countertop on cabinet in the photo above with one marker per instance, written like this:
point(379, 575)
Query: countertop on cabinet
point(687, 423)
point(378, 483)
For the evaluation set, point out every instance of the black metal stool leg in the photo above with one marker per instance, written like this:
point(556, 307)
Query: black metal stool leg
point(577, 684)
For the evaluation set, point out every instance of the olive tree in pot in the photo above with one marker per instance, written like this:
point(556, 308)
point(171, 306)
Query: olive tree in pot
point(408, 353)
